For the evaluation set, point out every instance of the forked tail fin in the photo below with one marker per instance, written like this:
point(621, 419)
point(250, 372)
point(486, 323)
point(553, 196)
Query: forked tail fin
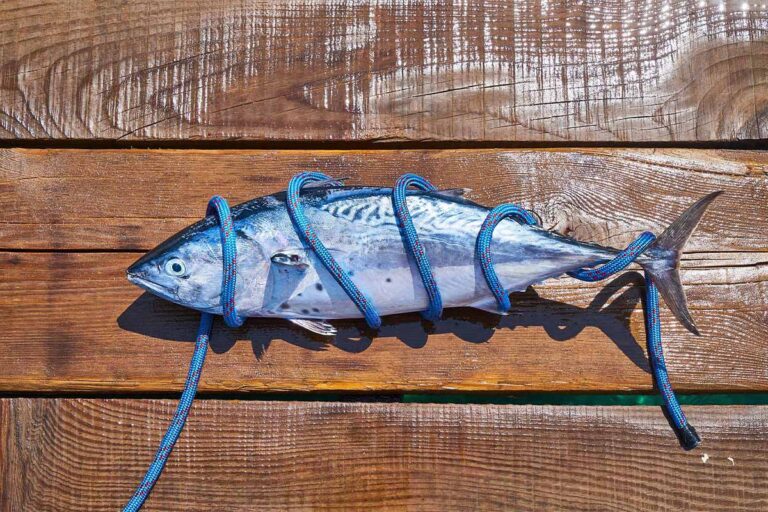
point(662, 260)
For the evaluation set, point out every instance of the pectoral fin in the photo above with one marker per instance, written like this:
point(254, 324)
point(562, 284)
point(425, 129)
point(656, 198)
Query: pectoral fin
point(291, 259)
point(317, 326)
point(286, 273)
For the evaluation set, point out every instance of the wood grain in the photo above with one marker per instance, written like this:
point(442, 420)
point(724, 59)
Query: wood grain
point(604, 70)
point(134, 199)
point(89, 454)
point(72, 322)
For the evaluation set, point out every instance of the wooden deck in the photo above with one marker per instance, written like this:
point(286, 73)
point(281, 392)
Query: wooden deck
point(607, 118)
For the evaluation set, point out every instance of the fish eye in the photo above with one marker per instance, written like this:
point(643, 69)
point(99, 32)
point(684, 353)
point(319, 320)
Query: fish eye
point(175, 267)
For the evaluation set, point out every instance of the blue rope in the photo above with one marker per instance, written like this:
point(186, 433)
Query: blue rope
point(218, 206)
point(308, 235)
point(687, 435)
point(483, 247)
point(621, 261)
point(179, 417)
point(413, 244)
point(689, 438)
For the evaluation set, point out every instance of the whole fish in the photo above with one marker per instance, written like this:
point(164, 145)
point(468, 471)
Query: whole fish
point(279, 277)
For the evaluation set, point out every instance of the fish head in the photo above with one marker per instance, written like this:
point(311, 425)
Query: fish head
point(185, 269)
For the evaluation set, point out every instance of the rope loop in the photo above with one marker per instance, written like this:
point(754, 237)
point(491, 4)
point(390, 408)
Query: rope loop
point(621, 261)
point(218, 206)
point(483, 247)
point(413, 245)
point(686, 434)
point(307, 233)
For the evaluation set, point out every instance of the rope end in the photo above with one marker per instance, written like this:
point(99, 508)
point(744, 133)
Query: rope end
point(688, 437)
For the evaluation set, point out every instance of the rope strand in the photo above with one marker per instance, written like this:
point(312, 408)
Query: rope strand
point(216, 206)
point(413, 244)
point(686, 433)
point(308, 235)
point(483, 247)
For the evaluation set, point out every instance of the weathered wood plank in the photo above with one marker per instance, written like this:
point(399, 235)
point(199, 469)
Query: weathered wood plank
point(74, 317)
point(72, 322)
point(89, 454)
point(78, 199)
point(680, 70)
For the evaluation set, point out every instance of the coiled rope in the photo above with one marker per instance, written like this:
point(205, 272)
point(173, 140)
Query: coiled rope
point(218, 206)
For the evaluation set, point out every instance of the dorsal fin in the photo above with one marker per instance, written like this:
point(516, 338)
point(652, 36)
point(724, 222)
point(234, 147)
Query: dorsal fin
point(453, 192)
point(330, 182)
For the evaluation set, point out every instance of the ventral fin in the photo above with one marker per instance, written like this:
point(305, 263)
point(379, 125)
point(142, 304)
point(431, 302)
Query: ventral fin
point(320, 327)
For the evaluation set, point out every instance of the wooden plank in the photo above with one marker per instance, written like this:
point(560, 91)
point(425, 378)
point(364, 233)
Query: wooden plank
point(604, 70)
point(72, 322)
point(74, 318)
point(89, 454)
point(121, 199)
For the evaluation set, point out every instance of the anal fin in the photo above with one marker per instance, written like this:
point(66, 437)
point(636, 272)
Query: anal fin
point(489, 305)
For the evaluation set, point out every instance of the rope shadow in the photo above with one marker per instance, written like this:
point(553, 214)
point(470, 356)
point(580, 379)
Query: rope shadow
point(609, 311)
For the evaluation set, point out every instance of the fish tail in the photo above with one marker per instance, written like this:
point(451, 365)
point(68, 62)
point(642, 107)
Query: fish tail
point(662, 260)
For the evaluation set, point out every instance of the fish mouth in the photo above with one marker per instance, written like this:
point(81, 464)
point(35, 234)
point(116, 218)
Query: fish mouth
point(142, 282)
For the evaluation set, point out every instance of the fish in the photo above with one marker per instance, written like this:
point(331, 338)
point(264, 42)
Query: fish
point(279, 277)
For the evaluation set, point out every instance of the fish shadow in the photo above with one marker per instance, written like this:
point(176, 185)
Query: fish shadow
point(609, 311)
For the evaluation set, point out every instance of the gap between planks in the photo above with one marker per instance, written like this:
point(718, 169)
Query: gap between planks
point(330, 145)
